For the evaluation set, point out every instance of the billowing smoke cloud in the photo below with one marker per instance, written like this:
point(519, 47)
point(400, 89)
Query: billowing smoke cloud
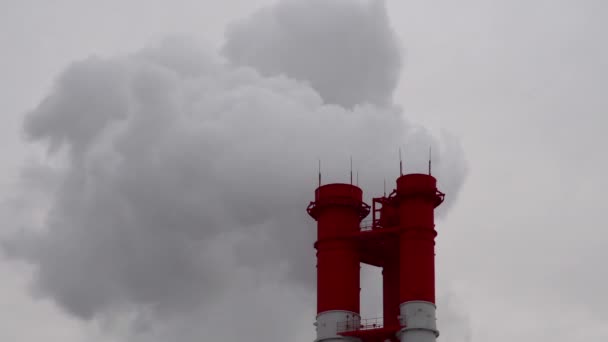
point(346, 51)
point(186, 175)
point(453, 321)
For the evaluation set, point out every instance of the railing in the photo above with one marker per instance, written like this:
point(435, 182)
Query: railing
point(366, 225)
point(356, 324)
point(362, 208)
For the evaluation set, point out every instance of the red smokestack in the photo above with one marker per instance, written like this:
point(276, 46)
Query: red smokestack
point(338, 209)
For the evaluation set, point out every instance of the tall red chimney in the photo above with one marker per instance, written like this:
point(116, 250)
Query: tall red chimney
point(338, 209)
point(418, 196)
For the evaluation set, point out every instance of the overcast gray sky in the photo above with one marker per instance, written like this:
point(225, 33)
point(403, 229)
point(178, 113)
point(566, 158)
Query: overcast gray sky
point(510, 92)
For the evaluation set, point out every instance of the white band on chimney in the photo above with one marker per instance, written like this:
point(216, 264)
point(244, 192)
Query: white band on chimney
point(329, 322)
point(419, 322)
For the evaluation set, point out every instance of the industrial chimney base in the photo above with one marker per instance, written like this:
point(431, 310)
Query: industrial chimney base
point(330, 323)
point(419, 321)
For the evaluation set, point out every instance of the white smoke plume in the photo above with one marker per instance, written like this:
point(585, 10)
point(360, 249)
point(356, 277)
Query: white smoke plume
point(347, 52)
point(187, 172)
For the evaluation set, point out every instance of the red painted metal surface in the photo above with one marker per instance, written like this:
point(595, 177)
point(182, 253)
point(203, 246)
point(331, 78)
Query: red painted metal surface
point(418, 196)
point(338, 209)
point(391, 288)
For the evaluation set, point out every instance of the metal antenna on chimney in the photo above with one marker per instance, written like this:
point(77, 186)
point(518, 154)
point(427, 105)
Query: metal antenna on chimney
point(357, 178)
point(384, 187)
point(400, 163)
point(319, 172)
point(351, 170)
point(430, 158)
